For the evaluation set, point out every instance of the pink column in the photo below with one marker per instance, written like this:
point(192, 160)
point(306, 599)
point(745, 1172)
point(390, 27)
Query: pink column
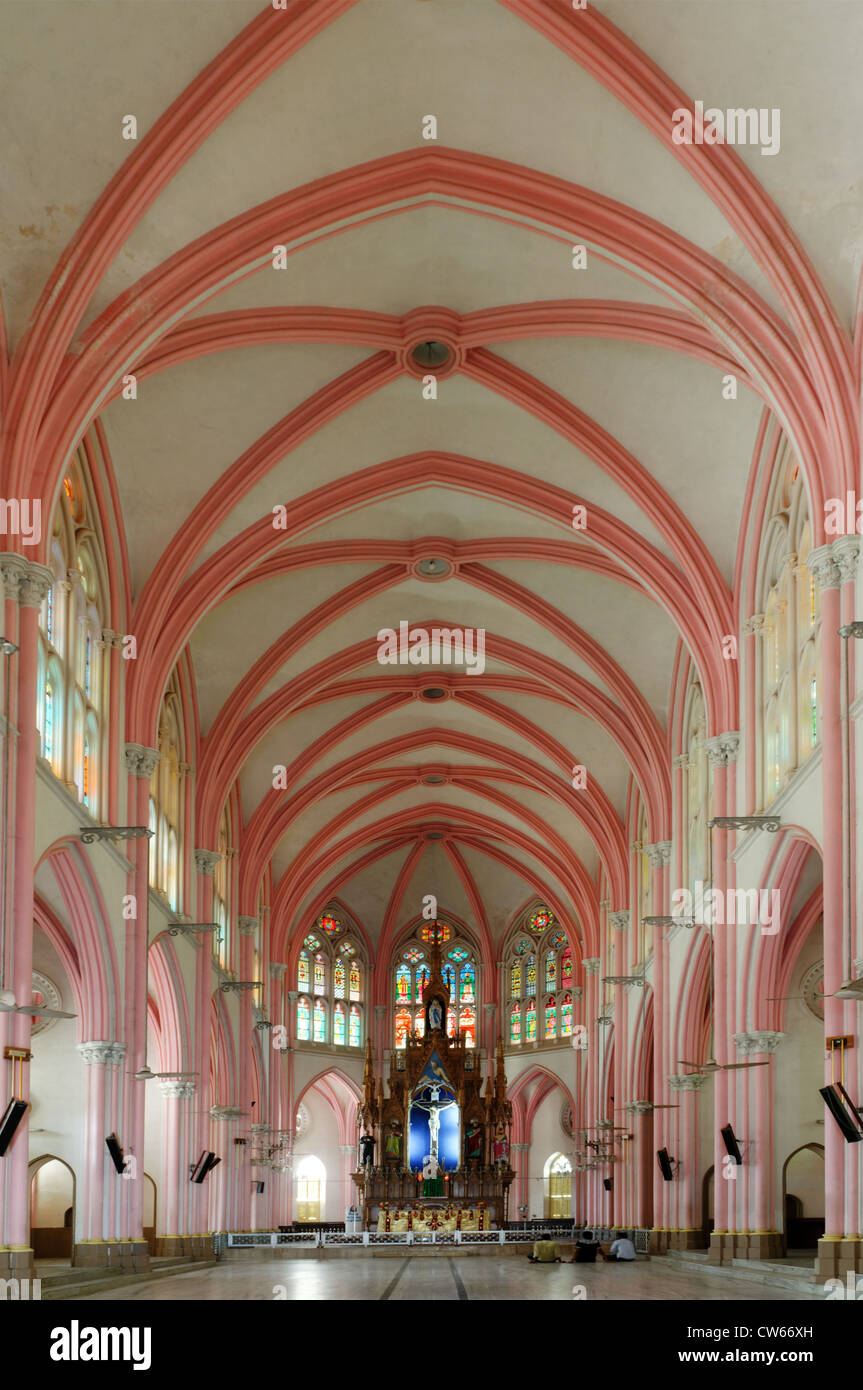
point(721, 749)
point(205, 863)
point(593, 1206)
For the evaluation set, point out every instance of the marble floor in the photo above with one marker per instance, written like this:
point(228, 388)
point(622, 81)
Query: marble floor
point(492, 1278)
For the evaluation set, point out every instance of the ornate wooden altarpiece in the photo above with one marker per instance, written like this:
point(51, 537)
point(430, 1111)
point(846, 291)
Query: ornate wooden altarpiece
point(482, 1177)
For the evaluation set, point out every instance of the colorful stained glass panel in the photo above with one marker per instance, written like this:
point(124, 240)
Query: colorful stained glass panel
point(530, 1021)
point(414, 955)
point(303, 973)
point(329, 924)
point(355, 981)
point(339, 979)
point(320, 1021)
point(354, 1027)
point(458, 955)
point(320, 975)
point(531, 975)
point(304, 1017)
point(566, 1017)
point(541, 919)
point(403, 984)
point(467, 1026)
point(339, 1025)
point(515, 981)
point(515, 1026)
point(551, 971)
point(403, 1026)
point(467, 982)
point(550, 1020)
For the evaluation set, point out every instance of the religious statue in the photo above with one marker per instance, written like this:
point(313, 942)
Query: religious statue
point(435, 1015)
point(473, 1142)
point(434, 1105)
point(393, 1142)
point(367, 1150)
point(501, 1145)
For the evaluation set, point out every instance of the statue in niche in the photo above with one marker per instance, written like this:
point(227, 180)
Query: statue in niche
point(435, 1016)
point(393, 1142)
point(501, 1146)
point(473, 1142)
point(367, 1150)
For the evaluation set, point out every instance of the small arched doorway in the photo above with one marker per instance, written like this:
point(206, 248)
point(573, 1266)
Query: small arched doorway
point(149, 1213)
point(803, 1198)
point(558, 1188)
point(311, 1184)
point(707, 1207)
point(52, 1208)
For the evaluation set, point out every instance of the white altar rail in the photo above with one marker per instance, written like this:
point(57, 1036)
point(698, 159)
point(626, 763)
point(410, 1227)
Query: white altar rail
point(317, 1239)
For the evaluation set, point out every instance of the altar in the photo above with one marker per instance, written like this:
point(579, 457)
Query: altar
point(434, 1151)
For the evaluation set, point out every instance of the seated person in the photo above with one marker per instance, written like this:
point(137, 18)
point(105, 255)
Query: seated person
point(544, 1253)
point(622, 1249)
point(586, 1246)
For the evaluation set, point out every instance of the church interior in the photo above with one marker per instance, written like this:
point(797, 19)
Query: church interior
point(430, 450)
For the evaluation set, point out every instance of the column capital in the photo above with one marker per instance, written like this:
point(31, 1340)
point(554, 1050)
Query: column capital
point(206, 861)
point(659, 854)
point(578, 991)
point(722, 749)
point(490, 1010)
point(277, 969)
point(639, 1107)
point(687, 1082)
point(380, 1010)
point(247, 926)
point(636, 847)
point(682, 760)
point(620, 919)
point(832, 564)
point(765, 1040)
point(520, 1148)
point(177, 1090)
point(591, 965)
point(141, 761)
point(24, 581)
point(110, 1054)
point(293, 996)
point(754, 625)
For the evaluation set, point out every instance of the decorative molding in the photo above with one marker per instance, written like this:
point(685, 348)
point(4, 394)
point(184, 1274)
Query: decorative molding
point(692, 1082)
point(293, 996)
point(24, 581)
point(578, 992)
point(754, 625)
point(110, 638)
point(141, 761)
point(591, 965)
point(178, 1090)
point(682, 760)
point(247, 926)
point(206, 861)
point(659, 854)
point(489, 1010)
point(760, 1041)
point(723, 749)
point(636, 847)
point(833, 564)
point(95, 834)
point(640, 1107)
point(277, 969)
point(110, 1054)
point(380, 1010)
point(226, 1112)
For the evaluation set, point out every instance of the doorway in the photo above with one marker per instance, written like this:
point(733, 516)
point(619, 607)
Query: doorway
point(52, 1208)
point(803, 1198)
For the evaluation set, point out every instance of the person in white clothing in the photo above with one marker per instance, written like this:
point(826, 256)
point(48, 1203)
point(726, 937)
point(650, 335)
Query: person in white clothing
point(622, 1250)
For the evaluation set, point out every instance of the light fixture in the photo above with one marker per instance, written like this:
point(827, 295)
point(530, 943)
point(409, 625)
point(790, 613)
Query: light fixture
point(433, 692)
point(430, 353)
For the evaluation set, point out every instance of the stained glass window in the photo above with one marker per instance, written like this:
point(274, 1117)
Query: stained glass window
point(557, 940)
point(450, 1023)
point(566, 1016)
point(522, 947)
point(339, 1025)
point(566, 967)
point(515, 981)
point(551, 971)
point(329, 924)
point(467, 993)
point(530, 1020)
point(354, 1027)
point(531, 975)
point(355, 981)
point(467, 1025)
point(88, 664)
point(420, 1023)
point(458, 955)
point(403, 1026)
point(421, 982)
point(49, 615)
point(403, 984)
point(550, 1019)
point(48, 749)
point(320, 1020)
point(347, 949)
point(539, 920)
point(320, 975)
point(339, 979)
point(86, 771)
point(304, 1016)
point(414, 955)
point(449, 977)
point(436, 931)
point(312, 942)
point(515, 1025)
point(303, 973)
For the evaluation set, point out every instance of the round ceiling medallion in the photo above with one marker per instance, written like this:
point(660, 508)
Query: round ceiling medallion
point(44, 992)
point(433, 779)
point(433, 567)
point(433, 692)
point(430, 354)
point(812, 989)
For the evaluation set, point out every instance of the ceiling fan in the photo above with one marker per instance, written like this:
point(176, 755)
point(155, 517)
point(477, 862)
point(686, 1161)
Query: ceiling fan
point(8, 1006)
point(711, 1065)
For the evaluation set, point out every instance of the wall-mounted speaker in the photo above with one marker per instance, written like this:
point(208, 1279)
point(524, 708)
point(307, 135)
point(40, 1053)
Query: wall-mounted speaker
point(731, 1145)
point(12, 1117)
point(606, 1182)
point(665, 1163)
point(205, 1163)
point(118, 1159)
point(844, 1111)
point(259, 1187)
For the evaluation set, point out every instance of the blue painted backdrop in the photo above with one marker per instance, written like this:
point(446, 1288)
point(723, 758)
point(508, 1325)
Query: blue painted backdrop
point(448, 1138)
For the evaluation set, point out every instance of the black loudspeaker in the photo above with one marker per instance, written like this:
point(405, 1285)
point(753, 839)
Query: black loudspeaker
point(112, 1144)
point(207, 1161)
point(13, 1115)
point(259, 1187)
point(665, 1164)
point(843, 1110)
point(730, 1143)
point(606, 1182)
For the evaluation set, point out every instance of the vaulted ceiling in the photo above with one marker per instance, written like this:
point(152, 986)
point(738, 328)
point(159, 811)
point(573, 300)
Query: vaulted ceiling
point(261, 387)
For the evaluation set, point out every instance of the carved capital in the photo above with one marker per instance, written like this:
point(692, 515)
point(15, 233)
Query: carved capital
point(636, 847)
point(277, 970)
point(682, 760)
point(490, 1010)
point(620, 919)
point(141, 761)
point(111, 638)
point(754, 626)
point(659, 854)
point(722, 749)
point(591, 965)
point(206, 861)
point(682, 1082)
point(380, 1010)
point(110, 1054)
point(760, 1041)
point(578, 991)
point(293, 996)
point(177, 1090)
point(832, 564)
point(24, 581)
point(639, 1107)
point(247, 926)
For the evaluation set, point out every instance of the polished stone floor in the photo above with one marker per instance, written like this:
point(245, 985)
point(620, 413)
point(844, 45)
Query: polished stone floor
point(497, 1278)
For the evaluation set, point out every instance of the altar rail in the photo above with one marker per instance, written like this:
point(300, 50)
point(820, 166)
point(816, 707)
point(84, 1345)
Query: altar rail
point(317, 1239)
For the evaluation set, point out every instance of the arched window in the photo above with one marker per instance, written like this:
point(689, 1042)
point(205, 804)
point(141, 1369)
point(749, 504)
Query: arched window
point(411, 971)
point(311, 1185)
point(331, 969)
point(166, 799)
point(72, 673)
point(539, 970)
point(558, 1179)
point(222, 894)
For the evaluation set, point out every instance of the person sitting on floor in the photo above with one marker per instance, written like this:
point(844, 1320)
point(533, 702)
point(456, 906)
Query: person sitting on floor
point(586, 1247)
point(622, 1249)
point(544, 1253)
